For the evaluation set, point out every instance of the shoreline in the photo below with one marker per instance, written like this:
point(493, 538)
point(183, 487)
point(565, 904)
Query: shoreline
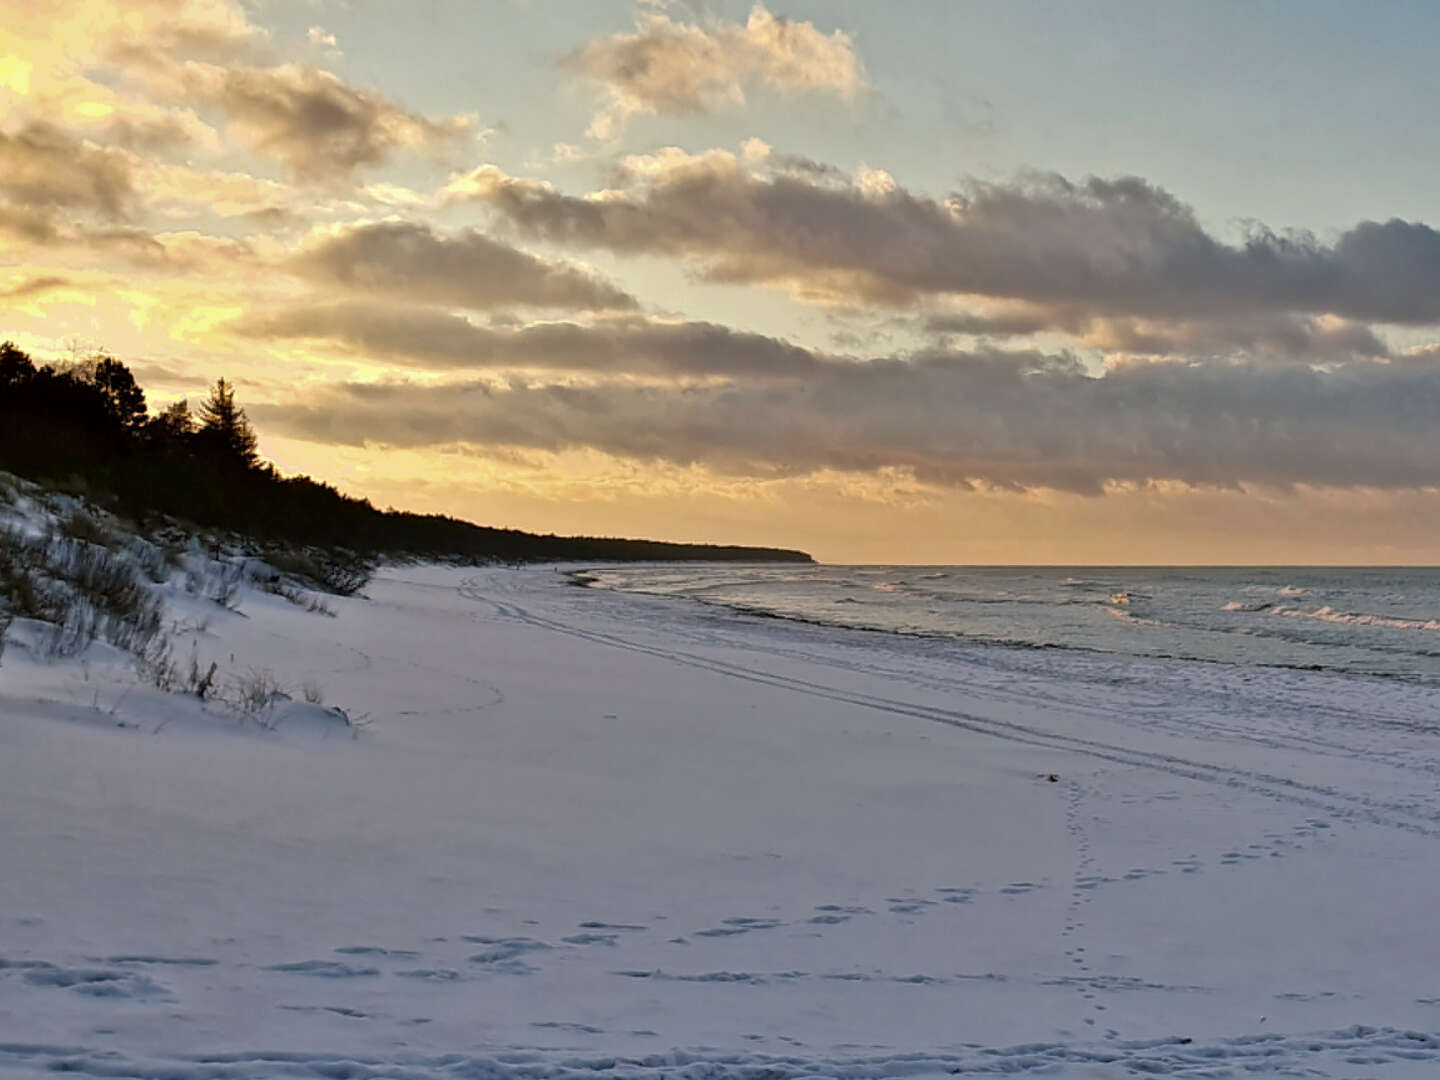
point(591, 577)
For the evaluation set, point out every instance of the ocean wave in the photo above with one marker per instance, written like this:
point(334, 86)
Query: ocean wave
point(1349, 618)
point(1131, 617)
point(1158, 614)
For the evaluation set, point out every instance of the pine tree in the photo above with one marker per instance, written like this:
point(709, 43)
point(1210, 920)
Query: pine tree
point(224, 428)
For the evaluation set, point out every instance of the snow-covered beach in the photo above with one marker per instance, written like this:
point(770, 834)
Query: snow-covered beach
point(584, 832)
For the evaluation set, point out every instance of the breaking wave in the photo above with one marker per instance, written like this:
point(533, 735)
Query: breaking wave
point(1348, 618)
point(1360, 621)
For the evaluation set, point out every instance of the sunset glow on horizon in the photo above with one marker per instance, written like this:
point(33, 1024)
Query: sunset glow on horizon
point(982, 282)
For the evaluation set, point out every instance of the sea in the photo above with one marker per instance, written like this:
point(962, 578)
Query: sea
point(1371, 621)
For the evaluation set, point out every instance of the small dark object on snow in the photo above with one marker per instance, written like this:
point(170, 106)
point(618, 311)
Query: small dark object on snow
point(1052, 778)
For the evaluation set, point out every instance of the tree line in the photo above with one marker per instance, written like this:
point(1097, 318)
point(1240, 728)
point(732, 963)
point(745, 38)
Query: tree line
point(85, 425)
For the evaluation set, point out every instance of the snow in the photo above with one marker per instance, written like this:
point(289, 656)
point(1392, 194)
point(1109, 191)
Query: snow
point(580, 833)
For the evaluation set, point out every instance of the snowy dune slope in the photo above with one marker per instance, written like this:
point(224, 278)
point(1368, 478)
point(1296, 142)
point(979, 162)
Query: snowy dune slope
point(587, 832)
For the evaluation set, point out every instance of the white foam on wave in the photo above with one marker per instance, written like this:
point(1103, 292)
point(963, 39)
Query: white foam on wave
point(1291, 590)
point(1330, 615)
point(1121, 613)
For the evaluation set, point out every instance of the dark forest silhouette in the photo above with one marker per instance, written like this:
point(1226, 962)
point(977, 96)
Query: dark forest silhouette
point(85, 425)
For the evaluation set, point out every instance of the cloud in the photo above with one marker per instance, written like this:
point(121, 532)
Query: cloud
point(677, 68)
point(149, 129)
point(182, 190)
point(43, 169)
point(65, 192)
point(318, 126)
point(1252, 337)
point(322, 39)
point(1009, 420)
point(1005, 322)
point(629, 345)
point(464, 268)
point(35, 286)
point(82, 59)
point(143, 32)
point(52, 42)
point(1097, 248)
point(1307, 339)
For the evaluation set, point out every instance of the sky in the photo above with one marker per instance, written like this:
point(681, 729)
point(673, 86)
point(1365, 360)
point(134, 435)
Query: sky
point(926, 282)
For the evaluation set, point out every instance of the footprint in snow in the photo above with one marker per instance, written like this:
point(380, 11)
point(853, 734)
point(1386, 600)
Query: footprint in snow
point(503, 956)
point(732, 927)
point(93, 982)
point(431, 974)
point(327, 969)
point(1019, 888)
point(557, 1025)
point(376, 950)
point(908, 905)
point(954, 895)
point(338, 1010)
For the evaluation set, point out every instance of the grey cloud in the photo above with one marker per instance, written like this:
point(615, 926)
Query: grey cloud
point(465, 268)
point(318, 126)
point(1301, 338)
point(35, 286)
point(1250, 336)
point(1105, 247)
point(1012, 420)
point(44, 169)
point(26, 225)
point(1004, 324)
point(150, 373)
point(630, 345)
point(150, 133)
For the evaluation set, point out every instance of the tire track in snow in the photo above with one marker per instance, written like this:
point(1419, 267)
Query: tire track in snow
point(1280, 788)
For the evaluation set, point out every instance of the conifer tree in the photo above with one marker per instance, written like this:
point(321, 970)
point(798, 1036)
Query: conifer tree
point(224, 428)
